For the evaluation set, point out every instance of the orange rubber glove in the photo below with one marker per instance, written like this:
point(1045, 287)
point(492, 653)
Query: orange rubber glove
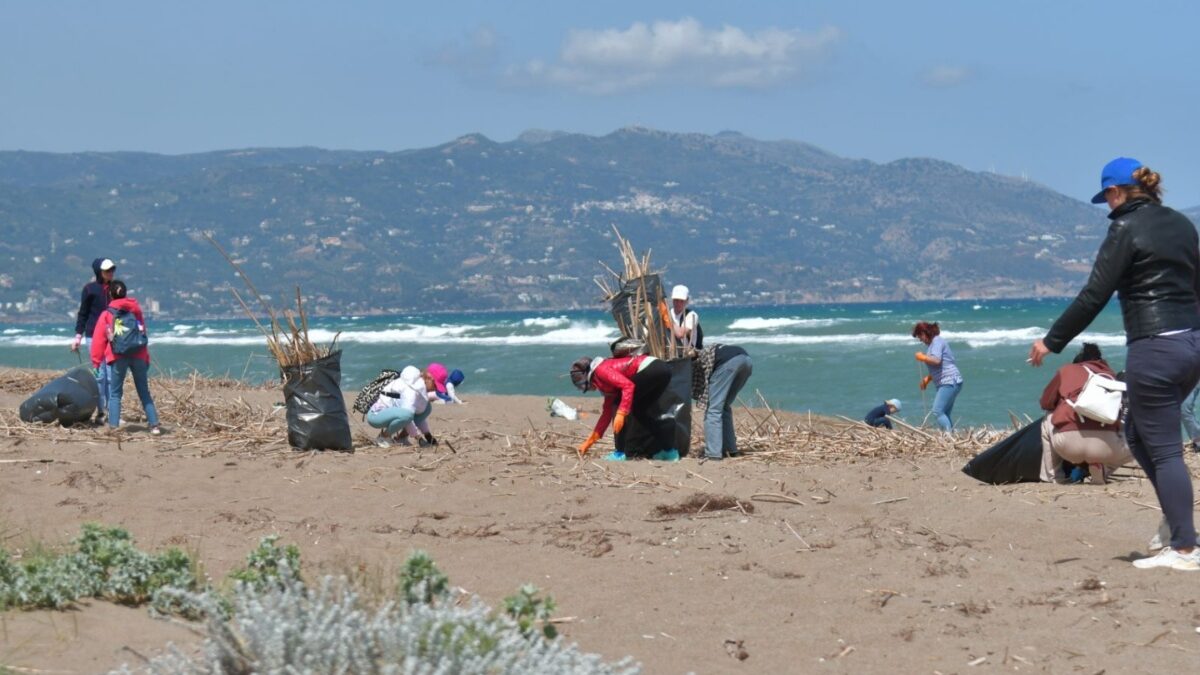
point(587, 445)
point(925, 381)
point(664, 314)
point(618, 422)
point(922, 357)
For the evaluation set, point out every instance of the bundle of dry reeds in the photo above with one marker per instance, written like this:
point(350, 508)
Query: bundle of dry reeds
point(645, 315)
point(291, 347)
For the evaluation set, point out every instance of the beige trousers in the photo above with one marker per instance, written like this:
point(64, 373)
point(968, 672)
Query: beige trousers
point(1102, 451)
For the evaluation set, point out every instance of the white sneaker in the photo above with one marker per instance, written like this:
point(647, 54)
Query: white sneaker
point(383, 441)
point(1163, 536)
point(1169, 557)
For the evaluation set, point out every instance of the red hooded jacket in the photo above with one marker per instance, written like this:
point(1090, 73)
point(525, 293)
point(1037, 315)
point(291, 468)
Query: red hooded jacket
point(101, 350)
point(612, 378)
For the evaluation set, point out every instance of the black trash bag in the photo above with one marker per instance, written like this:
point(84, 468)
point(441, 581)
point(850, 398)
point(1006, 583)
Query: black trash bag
point(67, 399)
point(316, 412)
point(673, 408)
point(625, 305)
point(1016, 459)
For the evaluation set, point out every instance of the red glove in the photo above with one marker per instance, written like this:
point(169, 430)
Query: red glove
point(587, 445)
point(925, 381)
point(922, 357)
point(618, 422)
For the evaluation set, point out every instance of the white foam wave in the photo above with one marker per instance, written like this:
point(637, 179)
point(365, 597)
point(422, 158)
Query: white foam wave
point(181, 328)
point(761, 323)
point(546, 322)
point(881, 311)
point(13, 331)
point(974, 339)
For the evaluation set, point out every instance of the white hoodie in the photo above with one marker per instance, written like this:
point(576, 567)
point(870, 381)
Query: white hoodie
point(407, 391)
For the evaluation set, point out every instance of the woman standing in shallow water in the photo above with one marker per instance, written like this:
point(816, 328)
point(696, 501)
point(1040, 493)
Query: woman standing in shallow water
point(1151, 257)
point(943, 371)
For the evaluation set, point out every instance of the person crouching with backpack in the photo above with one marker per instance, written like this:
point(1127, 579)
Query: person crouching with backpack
point(402, 406)
point(119, 340)
point(1069, 436)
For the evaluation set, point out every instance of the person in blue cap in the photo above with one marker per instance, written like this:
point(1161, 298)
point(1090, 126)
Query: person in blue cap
point(878, 417)
point(1151, 256)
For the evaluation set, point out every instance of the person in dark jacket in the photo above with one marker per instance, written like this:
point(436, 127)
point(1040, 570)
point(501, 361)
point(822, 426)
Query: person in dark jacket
point(1151, 258)
point(718, 374)
point(92, 303)
point(878, 417)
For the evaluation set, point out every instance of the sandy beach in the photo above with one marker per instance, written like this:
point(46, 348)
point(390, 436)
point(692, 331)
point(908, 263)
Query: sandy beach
point(821, 562)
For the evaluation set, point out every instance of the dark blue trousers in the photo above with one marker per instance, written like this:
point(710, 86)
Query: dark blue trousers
point(1161, 371)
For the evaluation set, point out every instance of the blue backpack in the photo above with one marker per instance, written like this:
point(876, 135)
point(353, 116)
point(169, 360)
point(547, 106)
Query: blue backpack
point(125, 336)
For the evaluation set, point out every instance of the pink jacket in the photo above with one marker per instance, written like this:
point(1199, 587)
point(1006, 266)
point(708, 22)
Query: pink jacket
point(101, 350)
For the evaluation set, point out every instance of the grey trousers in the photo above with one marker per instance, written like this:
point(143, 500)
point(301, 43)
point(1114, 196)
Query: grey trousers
point(724, 384)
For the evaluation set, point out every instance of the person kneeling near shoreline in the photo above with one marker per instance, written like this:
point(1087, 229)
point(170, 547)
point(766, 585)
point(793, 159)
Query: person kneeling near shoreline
point(878, 417)
point(631, 385)
point(1067, 435)
point(402, 410)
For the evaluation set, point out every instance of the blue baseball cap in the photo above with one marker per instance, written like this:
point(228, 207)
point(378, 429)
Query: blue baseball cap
point(1117, 172)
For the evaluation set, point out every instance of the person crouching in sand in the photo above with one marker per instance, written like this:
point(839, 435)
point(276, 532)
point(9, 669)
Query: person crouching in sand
point(1068, 436)
point(878, 417)
point(630, 385)
point(402, 410)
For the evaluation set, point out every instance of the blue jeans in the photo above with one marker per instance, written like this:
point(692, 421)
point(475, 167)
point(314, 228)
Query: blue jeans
point(943, 404)
point(392, 420)
point(724, 384)
point(1190, 423)
point(116, 387)
point(1161, 371)
point(103, 375)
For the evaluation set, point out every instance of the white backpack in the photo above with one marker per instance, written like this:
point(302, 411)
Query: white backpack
point(1100, 398)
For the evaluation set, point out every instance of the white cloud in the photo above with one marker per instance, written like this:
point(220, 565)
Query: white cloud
point(678, 52)
point(945, 76)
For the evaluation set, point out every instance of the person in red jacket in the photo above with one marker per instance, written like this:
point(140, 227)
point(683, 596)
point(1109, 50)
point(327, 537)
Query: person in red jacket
point(137, 362)
point(631, 385)
point(1066, 435)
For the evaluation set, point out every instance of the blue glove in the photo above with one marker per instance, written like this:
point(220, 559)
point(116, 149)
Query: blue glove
point(96, 372)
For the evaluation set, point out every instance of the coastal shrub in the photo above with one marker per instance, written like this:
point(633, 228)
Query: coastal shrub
point(528, 610)
point(265, 564)
point(295, 628)
point(105, 564)
point(421, 581)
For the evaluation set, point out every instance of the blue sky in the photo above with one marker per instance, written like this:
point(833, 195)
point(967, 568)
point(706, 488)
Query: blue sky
point(1050, 90)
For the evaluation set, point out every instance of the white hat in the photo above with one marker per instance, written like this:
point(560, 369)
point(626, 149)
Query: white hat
point(107, 264)
point(680, 292)
point(894, 402)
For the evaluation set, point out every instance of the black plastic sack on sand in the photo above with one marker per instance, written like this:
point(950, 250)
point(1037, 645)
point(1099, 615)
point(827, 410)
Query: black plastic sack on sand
point(316, 412)
point(67, 399)
point(1016, 459)
point(628, 310)
point(673, 408)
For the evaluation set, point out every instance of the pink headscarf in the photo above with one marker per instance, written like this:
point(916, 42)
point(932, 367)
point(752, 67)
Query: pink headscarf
point(438, 372)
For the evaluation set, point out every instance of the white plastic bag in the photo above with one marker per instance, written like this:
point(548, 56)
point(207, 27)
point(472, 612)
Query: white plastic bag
point(560, 409)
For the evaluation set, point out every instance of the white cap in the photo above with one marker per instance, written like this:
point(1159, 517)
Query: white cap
point(894, 402)
point(680, 292)
point(107, 264)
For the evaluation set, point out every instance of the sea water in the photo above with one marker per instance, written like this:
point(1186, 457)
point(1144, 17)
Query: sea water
point(833, 359)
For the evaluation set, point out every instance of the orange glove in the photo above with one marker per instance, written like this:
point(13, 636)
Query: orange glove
point(618, 422)
point(925, 381)
point(587, 445)
point(922, 357)
point(664, 315)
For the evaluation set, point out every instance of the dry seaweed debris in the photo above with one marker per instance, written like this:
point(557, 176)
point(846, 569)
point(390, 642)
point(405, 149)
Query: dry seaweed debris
point(196, 412)
point(702, 502)
point(648, 317)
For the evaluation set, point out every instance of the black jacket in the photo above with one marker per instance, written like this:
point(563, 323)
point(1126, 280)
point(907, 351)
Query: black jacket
point(92, 302)
point(1151, 258)
point(878, 417)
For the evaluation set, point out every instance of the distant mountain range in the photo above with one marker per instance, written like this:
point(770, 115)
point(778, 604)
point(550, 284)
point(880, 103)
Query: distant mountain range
point(476, 224)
